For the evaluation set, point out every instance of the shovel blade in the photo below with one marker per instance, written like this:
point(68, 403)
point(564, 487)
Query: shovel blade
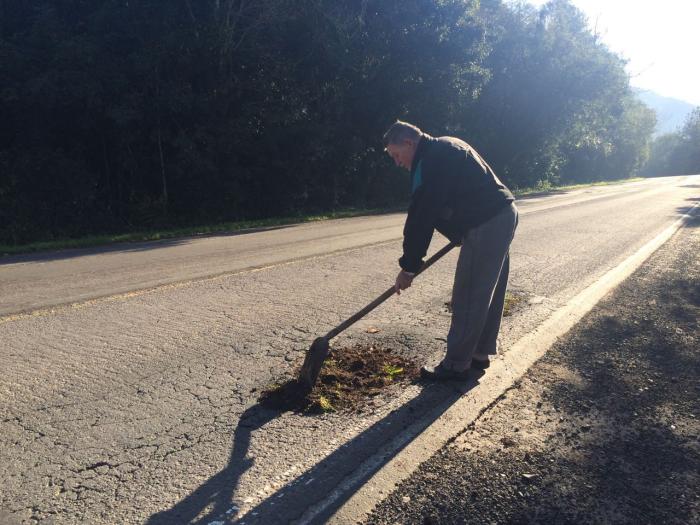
point(316, 354)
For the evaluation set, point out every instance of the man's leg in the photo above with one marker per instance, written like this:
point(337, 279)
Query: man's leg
point(477, 275)
point(488, 343)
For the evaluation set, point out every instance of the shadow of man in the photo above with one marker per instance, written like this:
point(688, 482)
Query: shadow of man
point(351, 465)
point(216, 494)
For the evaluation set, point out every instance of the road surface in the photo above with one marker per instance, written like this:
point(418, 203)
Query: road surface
point(131, 372)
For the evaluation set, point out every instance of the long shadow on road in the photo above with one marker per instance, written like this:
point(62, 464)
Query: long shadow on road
point(381, 442)
point(217, 492)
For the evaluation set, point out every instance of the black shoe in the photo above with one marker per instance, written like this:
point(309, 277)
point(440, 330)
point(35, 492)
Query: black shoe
point(481, 364)
point(440, 373)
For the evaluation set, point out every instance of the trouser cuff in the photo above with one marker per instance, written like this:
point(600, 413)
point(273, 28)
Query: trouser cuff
point(457, 366)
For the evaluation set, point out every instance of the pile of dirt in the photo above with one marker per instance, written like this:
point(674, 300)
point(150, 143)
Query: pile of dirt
point(348, 378)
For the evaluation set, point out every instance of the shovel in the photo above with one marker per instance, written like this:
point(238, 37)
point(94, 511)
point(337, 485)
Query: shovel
point(319, 349)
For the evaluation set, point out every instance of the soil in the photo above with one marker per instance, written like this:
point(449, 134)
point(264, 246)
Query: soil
point(605, 428)
point(349, 377)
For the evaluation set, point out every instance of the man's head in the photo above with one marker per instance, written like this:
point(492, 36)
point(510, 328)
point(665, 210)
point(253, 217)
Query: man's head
point(401, 141)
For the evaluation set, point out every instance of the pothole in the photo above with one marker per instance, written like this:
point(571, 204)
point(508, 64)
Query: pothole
point(349, 377)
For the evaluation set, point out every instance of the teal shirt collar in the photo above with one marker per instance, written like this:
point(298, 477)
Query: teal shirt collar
point(417, 177)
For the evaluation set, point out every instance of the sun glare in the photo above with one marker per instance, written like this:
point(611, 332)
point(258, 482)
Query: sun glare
point(658, 39)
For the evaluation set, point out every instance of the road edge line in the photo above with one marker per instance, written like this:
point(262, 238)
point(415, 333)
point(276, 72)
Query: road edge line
point(417, 446)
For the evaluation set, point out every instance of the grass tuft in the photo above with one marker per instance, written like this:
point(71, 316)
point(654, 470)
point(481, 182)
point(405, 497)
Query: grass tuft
point(325, 405)
point(391, 371)
point(511, 303)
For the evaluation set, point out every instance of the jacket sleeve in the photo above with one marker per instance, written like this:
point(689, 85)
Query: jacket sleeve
point(427, 202)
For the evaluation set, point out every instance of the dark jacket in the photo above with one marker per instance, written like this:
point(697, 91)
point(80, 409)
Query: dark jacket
point(454, 189)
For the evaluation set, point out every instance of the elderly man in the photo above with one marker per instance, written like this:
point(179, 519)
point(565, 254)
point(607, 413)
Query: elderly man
point(456, 192)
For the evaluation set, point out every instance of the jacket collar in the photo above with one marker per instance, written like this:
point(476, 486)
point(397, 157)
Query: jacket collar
point(423, 145)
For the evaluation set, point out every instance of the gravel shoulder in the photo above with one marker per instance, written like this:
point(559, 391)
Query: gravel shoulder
point(605, 428)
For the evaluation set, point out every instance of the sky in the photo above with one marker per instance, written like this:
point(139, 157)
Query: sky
point(660, 38)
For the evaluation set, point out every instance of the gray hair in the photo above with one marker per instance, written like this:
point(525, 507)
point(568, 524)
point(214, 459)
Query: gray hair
point(400, 131)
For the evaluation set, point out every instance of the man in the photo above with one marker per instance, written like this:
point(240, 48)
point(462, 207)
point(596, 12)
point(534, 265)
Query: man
point(456, 192)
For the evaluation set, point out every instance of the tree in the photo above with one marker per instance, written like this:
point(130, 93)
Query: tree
point(129, 115)
point(677, 153)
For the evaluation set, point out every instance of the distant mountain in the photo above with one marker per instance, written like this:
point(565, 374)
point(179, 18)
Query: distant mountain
point(670, 112)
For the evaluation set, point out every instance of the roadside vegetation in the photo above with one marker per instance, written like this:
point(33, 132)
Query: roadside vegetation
point(513, 302)
point(131, 117)
point(679, 152)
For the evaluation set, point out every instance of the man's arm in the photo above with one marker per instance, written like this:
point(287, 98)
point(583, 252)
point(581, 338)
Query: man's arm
point(427, 202)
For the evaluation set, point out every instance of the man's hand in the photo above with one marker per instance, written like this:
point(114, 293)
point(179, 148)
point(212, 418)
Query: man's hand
point(403, 281)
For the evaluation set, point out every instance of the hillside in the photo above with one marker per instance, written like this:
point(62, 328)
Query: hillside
point(671, 112)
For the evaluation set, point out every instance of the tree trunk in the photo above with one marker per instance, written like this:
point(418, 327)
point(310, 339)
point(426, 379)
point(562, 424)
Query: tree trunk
point(162, 173)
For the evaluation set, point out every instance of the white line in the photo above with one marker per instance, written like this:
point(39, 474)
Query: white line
point(416, 446)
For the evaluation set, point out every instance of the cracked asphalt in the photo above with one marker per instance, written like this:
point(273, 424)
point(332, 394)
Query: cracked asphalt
point(142, 407)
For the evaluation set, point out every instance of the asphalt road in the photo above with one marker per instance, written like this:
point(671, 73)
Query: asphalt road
point(136, 401)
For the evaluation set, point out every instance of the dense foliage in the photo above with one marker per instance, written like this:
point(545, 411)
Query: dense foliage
point(121, 115)
point(677, 153)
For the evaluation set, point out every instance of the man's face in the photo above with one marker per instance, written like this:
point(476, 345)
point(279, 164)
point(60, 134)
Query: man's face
point(402, 153)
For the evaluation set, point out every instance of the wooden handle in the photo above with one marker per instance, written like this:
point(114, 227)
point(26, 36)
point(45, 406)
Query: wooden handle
point(379, 300)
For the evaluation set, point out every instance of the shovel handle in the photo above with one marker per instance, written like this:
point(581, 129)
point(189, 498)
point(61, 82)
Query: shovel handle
point(391, 291)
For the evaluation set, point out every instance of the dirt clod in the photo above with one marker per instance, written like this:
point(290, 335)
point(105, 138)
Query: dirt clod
point(349, 377)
